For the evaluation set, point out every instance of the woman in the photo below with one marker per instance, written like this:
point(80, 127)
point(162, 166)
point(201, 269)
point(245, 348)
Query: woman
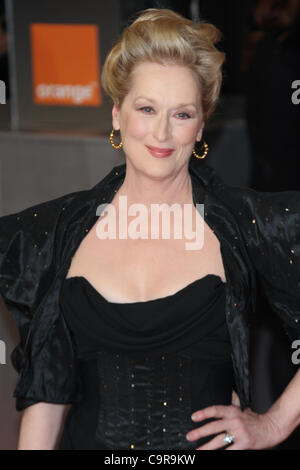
point(148, 340)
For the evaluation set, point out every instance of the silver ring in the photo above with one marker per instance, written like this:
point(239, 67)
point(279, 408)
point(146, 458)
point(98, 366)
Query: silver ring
point(229, 438)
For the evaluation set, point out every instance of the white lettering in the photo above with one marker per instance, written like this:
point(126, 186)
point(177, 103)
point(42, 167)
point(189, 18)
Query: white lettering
point(296, 354)
point(138, 228)
point(2, 352)
point(296, 94)
point(76, 93)
point(2, 92)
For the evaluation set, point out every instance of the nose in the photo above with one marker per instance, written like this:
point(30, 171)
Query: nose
point(161, 129)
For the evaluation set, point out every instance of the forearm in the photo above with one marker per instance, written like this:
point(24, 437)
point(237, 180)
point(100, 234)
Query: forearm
point(286, 409)
point(40, 426)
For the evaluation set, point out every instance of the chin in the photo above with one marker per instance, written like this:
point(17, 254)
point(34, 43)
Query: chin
point(154, 169)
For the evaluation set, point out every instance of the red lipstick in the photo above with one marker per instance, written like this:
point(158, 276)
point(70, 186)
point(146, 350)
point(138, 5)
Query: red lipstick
point(159, 152)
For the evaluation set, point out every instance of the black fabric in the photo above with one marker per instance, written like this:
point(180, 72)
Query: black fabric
point(146, 366)
point(165, 324)
point(259, 235)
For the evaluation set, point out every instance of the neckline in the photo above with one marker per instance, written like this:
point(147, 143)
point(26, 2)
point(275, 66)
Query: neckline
point(174, 296)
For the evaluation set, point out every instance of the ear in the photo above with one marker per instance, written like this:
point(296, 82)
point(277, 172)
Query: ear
point(116, 118)
point(200, 132)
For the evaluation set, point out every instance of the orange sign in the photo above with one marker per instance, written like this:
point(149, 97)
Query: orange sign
point(65, 64)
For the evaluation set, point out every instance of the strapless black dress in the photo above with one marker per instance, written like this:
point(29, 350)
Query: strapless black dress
point(146, 366)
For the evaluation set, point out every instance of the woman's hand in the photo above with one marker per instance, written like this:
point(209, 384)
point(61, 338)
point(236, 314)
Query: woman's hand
point(250, 430)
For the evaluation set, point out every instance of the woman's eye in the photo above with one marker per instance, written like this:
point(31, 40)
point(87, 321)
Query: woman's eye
point(183, 115)
point(187, 116)
point(145, 108)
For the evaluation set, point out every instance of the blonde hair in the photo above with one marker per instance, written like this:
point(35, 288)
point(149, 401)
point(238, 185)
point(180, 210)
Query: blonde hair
point(163, 36)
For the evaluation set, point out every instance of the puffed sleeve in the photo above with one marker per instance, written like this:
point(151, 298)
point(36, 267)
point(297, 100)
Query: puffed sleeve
point(52, 376)
point(45, 358)
point(270, 227)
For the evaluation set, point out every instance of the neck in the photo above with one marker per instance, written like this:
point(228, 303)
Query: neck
point(171, 189)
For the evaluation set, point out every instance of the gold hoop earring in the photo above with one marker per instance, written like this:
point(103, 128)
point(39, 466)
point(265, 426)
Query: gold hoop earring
point(111, 138)
point(205, 151)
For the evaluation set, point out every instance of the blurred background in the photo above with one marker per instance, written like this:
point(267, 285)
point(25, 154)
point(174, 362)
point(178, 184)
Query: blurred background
point(55, 123)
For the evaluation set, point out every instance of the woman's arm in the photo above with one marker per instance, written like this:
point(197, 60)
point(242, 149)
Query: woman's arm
point(251, 430)
point(286, 409)
point(40, 426)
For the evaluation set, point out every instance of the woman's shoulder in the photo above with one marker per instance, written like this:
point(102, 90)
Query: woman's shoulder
point(269, 222)
point(36, 212)
point(246, 202)
point(269, 228)
point(42, 216)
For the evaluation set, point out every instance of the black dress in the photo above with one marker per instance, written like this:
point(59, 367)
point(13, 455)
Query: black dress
point(146, 366)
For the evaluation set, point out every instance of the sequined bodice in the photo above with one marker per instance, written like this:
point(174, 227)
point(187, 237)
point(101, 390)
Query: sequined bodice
point(146, 366)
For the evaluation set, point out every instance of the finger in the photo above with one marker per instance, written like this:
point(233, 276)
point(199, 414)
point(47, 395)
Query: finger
point(233, 447)
point(216, 443)
point(235, 399)
point(215, 411)
point(209, 429)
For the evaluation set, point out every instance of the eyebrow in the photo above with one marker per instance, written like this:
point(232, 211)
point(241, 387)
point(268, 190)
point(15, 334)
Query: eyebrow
point(179, 105)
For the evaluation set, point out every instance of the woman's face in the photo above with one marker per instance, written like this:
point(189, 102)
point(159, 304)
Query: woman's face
point(162, 110)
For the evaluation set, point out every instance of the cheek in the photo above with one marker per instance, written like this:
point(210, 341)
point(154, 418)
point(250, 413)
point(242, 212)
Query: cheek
point(186, 135)
point(136, 127)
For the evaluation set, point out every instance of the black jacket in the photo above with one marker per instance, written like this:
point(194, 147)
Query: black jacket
point(259, 234)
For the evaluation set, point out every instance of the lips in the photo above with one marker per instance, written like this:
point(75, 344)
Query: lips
point(159, 152)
